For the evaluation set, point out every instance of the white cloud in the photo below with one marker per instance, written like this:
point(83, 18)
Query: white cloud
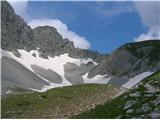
point(151, 34)
point(149, 13)
point(79, 42)
point(20, 7)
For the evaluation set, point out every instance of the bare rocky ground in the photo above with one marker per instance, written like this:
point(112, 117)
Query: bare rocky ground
point(143, 101)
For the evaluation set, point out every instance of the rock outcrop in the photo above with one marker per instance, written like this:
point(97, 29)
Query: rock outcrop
point(131, 59)
point(15, 32)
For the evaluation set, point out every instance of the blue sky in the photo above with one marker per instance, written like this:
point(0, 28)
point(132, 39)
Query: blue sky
point(105, 25)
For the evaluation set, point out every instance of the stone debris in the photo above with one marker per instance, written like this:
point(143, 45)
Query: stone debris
point(137, 94)
point(129, 111)
point(129, 104)
point(145, 107)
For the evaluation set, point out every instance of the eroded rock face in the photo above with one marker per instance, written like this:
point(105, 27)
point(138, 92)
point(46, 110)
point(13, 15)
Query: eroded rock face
point(131, 59)
point(47, 74)
point(115, 64)
point(51, 42)
point(16, 75)
point(73, 73)
point(15, 32)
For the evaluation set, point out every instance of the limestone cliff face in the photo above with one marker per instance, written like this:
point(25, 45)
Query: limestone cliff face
point(15, 32)
point(51, 43)
point(131, 59)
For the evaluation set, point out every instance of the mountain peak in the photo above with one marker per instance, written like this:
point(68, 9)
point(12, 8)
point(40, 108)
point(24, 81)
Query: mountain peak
point(15, 32)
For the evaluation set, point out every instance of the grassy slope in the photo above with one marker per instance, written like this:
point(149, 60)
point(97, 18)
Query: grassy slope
point(139, 96)
point(57, 103)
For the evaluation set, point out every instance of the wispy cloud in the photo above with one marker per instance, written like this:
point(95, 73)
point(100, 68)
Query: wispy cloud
point(153, 33)
point(106, 11)
point(112, 8)
point(149, 13)
point(20, 7)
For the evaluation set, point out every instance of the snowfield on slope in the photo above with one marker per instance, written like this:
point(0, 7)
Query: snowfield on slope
point(136, 79)
point(57, 63)
point(96, 79)
point(53, 63)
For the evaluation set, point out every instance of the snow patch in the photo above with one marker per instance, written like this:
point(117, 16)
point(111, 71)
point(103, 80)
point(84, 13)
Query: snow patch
point(53, 63)
point(136, 79)
point(8, 92)
point(96, 79)
point(87, 60)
